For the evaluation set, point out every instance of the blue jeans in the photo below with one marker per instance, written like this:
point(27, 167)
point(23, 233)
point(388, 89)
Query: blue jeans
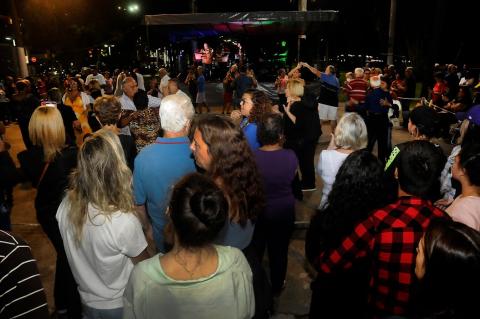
point(92, 313)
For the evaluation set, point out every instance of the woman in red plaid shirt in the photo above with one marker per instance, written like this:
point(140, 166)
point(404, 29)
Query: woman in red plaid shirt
point(390, 235)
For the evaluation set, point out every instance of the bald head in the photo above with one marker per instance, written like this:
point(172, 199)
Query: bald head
point(130, 86)
point(172, 86)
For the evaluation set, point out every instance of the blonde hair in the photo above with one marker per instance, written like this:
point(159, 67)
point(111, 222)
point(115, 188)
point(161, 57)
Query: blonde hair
point(296, 87)
point(359, 72)
point(46, 129)
point(351, 132)
point(101, 179)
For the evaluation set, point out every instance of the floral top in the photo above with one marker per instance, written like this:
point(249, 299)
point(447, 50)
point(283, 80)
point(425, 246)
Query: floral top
point(145, 127)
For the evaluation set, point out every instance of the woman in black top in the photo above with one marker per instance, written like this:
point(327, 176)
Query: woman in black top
point(302, 130)
point(48, 164)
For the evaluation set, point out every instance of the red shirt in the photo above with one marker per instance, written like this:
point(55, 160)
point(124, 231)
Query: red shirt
point(389, 237)
point(357, 90)
point(438, 90)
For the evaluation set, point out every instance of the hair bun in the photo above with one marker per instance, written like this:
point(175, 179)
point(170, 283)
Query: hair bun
point(206, 206)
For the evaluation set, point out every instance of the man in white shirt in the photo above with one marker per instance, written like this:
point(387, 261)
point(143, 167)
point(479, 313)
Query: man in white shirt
point(173, 88)
point(163, 87)
point(95, 76)
point(129, 89)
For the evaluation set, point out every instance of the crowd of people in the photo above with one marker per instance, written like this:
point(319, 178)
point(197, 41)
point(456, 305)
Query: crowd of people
point(156, 211)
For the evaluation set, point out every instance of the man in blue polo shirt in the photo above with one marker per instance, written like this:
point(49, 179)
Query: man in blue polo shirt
point(160, 165)
point(328, 98)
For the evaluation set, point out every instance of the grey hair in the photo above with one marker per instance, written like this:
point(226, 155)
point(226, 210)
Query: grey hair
point(176, 111)
point(128, 79)
point(359, 72)
point(351, 132)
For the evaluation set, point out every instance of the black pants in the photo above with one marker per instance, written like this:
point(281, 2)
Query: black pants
point(405, 112)
point(207, 71)
point(65, 292)
point(282, 100)
point(261, 287)
point(306, 154)
point(377, 127)
point(274, 235)
point(23, 123)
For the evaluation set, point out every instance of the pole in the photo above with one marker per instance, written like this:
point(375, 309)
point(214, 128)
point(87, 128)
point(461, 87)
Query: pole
point(193, 6)
point(148, 38)
point(391, 31)
point(302, 6)
point(20, 50)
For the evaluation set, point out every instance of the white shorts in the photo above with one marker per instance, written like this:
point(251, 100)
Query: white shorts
point(201, 98)
point(327, 112)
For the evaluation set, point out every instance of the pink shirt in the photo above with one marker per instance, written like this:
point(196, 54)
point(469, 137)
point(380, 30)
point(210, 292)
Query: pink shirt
point(466, 210)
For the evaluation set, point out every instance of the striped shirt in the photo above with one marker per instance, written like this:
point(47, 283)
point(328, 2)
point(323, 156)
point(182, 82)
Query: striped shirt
point(21, 291)
point(357, 90)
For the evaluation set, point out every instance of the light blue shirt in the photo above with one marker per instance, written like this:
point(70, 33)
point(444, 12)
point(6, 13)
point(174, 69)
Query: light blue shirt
point(157, 168)
point(235, 235)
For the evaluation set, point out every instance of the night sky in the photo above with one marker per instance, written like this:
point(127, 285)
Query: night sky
point(442, 30)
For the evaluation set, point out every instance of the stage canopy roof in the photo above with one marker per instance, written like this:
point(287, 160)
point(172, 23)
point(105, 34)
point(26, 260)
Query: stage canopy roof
point(244, 23)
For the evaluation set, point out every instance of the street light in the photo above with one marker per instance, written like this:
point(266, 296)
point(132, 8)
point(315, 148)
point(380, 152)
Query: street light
point(109, 46)
point(133, 8)
point(11, 39)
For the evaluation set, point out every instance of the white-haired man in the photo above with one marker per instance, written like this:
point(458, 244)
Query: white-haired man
point(163, 86)
point(160, 165)
point(130, 87)
point(357, 91)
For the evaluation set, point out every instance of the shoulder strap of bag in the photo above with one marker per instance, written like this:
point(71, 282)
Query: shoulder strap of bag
point(45, 168)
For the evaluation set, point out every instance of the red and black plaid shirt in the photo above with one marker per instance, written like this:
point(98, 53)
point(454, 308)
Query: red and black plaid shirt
point(389, 236)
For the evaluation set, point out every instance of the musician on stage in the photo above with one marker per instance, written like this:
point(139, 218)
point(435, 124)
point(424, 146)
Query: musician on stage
point(207, 59)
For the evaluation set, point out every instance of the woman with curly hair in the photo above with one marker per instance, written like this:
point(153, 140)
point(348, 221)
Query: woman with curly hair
point(102, 236)
point(253, 107)
point(80, 102)
point(220, 148)
point(356, 192)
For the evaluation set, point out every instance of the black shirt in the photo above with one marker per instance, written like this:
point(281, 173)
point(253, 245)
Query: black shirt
point(51, 189)
point(306, 127)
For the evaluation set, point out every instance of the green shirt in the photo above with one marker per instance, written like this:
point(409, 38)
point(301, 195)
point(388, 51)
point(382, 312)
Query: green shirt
point(228, 292)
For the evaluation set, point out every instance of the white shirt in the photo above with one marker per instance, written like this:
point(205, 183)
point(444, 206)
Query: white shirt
point(163, 84)
point(101, 263)
point(140, 82)
point(181, 93)
point(466, 210)
point(99, 77)
point(329, 163)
